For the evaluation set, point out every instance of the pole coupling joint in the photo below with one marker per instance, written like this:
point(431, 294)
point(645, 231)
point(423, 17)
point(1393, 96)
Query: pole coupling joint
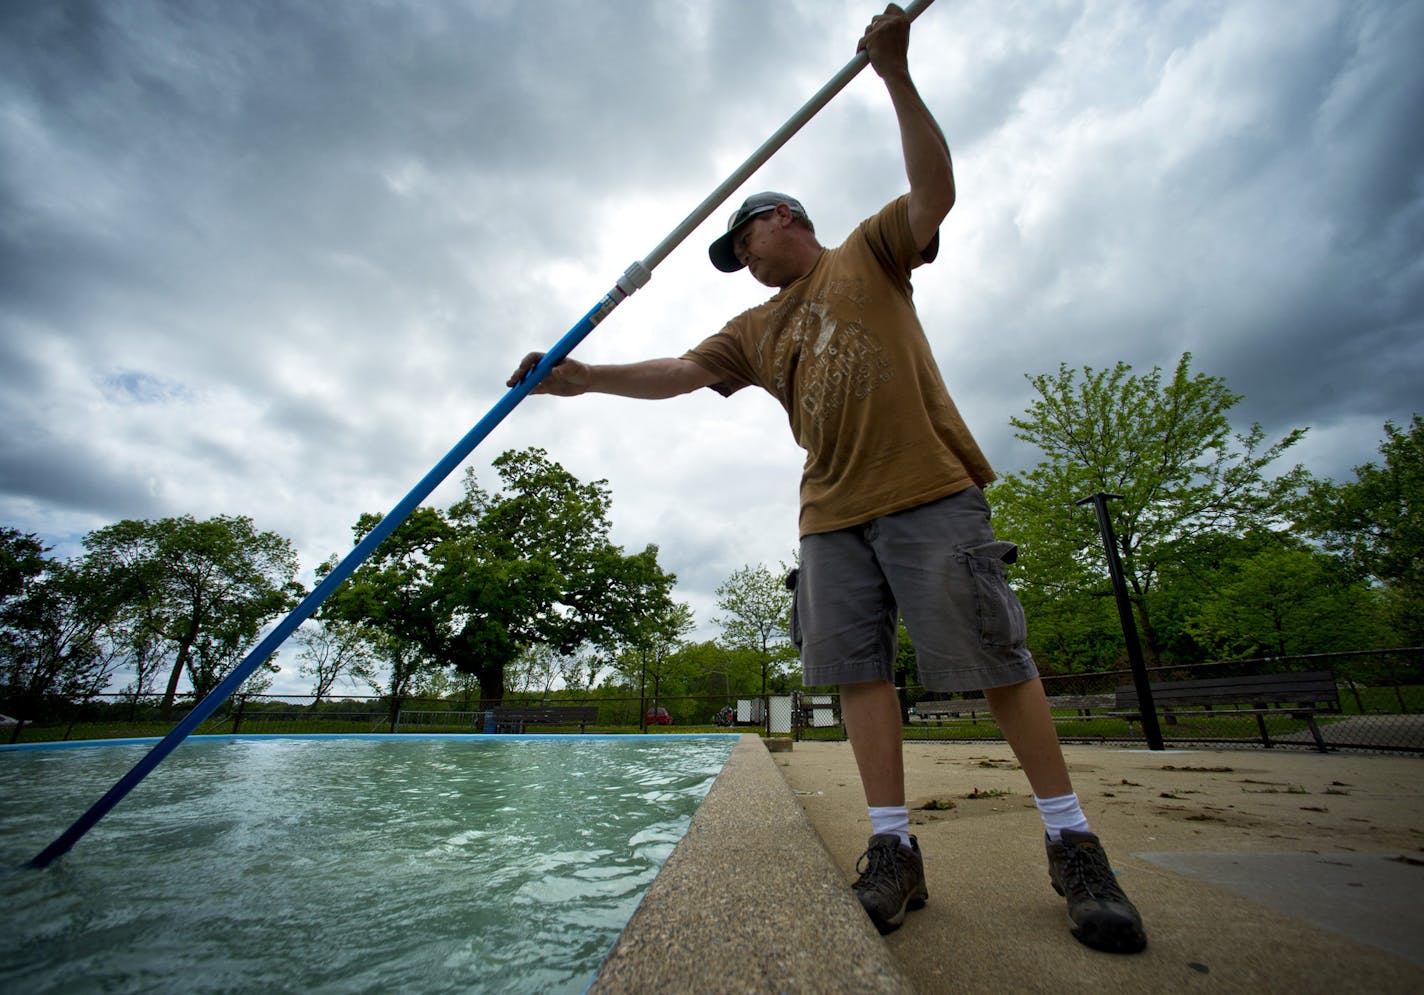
point(634, 277)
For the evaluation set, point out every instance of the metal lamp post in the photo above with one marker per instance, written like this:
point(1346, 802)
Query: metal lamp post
point(1150, 728)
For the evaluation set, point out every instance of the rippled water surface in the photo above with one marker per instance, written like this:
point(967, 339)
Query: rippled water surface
point(353, 865)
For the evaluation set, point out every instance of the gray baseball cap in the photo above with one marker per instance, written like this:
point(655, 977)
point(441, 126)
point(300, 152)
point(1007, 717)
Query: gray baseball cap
point(724, 256)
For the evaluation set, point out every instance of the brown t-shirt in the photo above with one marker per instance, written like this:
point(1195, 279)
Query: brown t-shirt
point(843, 351)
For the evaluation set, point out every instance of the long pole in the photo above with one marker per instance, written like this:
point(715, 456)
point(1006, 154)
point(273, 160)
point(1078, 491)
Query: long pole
point(634, 277)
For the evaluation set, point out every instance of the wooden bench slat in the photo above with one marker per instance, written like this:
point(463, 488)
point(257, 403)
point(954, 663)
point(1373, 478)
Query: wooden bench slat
point(939, 709)
point(1300, 696)
point(518, 716)
point(1317, 686)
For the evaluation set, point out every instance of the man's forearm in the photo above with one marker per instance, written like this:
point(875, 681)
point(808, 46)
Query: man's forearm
point(652, 379)
point(928, 165)
point(927, 161)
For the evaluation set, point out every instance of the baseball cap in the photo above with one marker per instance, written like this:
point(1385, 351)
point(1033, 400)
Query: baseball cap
point(724, 256)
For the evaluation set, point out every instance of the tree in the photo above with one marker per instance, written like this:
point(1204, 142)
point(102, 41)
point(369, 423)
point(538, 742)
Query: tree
point(710, 668)
point(201, 590)
point(1376, 524)
point(656, 638)
point(142, 655)
point(757, 607)
point(1264, 595)
point(22, 561)
point(535, 669)
point(23, 566)
point(1167, 450)
point(395, 670)
point(579, 671)
point(53, 623)
point(331, 649)
point(474, 586)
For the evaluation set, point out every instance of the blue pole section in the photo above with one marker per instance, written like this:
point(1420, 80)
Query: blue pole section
point(636, 276)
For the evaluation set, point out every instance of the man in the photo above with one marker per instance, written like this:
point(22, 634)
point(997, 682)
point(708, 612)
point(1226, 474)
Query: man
point(893, 521)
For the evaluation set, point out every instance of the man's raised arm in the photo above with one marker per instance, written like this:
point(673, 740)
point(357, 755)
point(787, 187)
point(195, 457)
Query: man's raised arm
point(927, 161)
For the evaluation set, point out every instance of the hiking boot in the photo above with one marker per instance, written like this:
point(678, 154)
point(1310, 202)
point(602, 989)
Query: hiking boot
point(892, 880)
point(1102, 915)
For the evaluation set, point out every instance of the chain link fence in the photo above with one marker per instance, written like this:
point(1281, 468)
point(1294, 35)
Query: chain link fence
point(1377, 704)
point(110, 716)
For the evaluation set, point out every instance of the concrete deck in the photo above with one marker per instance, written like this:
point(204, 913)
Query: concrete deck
point(1255, 870)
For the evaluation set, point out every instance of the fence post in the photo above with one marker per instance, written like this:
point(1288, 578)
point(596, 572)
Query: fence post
point(237, 715)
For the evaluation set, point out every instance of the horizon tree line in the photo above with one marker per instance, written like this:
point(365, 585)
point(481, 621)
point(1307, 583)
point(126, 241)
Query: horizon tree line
point(1227, 554)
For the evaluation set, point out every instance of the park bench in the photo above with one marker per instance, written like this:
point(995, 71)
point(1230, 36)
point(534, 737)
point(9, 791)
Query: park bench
point(1081, 704)
point(1301, 696)
point(513, 718)
point(956, 708)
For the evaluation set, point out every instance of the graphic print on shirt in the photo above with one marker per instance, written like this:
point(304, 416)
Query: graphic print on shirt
point(824, 353)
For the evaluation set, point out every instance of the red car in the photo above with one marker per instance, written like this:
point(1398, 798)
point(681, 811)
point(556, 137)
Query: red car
point(659, 717)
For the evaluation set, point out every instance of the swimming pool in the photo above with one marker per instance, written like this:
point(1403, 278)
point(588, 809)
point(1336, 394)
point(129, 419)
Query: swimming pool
point(348, 864)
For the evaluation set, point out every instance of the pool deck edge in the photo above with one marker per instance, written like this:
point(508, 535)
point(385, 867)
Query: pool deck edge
point(750, 901)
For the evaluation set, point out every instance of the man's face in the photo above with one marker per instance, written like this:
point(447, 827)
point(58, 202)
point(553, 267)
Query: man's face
point(759, 247)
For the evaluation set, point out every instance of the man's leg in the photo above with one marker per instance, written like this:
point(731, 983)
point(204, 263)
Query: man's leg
point(843, 620)
point(872, 719)
point(1022, 713)
point(892, 872)
point(1102, 915)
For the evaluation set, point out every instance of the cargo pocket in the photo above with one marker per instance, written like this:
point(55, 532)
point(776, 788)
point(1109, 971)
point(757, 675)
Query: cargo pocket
point(1001, 617)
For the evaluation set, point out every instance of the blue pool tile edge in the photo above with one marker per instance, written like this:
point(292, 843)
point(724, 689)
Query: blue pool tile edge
point(371, 736)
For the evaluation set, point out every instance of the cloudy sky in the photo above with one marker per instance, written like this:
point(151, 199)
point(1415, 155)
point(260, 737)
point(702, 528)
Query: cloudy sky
point(276, 258)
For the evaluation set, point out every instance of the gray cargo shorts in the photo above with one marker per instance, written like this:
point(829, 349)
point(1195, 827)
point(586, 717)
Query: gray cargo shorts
point(937, 565)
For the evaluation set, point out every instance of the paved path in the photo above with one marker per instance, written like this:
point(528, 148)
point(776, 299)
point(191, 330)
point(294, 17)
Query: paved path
point(1255, 870)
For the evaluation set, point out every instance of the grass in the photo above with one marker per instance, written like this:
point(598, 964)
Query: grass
point(1072, 727)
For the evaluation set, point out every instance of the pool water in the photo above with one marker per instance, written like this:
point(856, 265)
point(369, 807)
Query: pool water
point(453, 864)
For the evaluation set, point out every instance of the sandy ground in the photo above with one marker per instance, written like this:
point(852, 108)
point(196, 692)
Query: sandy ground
point(1255, 870)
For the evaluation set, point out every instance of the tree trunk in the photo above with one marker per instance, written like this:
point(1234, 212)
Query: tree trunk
point(185, 651)
point(491, 680)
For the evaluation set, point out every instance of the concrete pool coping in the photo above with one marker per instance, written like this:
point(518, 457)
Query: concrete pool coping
point(750, 900)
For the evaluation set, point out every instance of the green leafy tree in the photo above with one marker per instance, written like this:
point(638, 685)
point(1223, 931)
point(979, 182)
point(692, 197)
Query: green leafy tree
point(1167, 449)
point(55, 637)
point(540, 670)
point(710, 668)
point(756, 606)
point(23, 560)
point(200, 590)
point(655, 639)
point(24, 564)
point(391, 602)
point(396, 669)
point(454, 687)
point(331, 650)
point(474, 586)
point(1376, 524)
point(1272, 596)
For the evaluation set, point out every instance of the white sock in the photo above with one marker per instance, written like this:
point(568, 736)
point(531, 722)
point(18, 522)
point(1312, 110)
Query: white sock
point(1061, 813)
point(891, 819)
